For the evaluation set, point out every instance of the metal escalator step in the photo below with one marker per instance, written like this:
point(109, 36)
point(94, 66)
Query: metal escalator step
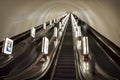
point(63, 63)
point(67, 55)
point(65, 75)
point(63, 79)
point(65, 69)
point(68, 60)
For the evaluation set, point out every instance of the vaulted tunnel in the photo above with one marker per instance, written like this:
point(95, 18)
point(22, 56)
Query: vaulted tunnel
point(17, 16)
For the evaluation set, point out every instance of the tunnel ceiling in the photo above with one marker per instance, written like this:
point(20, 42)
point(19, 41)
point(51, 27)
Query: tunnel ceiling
point(17, 16)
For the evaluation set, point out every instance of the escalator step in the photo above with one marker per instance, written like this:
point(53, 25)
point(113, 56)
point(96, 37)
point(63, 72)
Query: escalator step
point(64, 63)
point(65, 69)
point(67, 60)
point(63, 79)
point(65, 75)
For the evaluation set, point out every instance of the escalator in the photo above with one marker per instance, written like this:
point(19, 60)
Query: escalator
point(109, 66)
point(65, 69)
point(104, 53)
point(24, 56)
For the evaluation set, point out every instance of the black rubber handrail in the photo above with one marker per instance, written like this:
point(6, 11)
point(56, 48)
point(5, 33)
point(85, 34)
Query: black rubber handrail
point(33, 44)
point(3, 56)
point(53, 54)
point(20, 37)
point(25, 34)
point(104, 43)
point(51, 30)
point(46, 74)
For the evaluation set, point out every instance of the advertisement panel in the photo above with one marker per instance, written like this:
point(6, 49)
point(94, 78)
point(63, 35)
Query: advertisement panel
point(45, 45)
point(60, 25)
point(33, 32)
point(44, 26)
point(50, 22)
point(85, 45)
point(55, 32)
point(8, 46)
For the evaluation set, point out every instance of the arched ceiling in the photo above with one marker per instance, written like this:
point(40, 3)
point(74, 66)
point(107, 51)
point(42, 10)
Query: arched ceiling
point(17, 16)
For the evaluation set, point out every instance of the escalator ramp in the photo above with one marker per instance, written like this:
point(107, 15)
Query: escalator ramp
point(65, 69)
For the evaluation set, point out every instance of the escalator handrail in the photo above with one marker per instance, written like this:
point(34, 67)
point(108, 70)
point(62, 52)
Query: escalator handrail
point(54, 54)
point(38, 40)
point(48, 32)
point(20, 37)
point(110, 48)
point(107, 46)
